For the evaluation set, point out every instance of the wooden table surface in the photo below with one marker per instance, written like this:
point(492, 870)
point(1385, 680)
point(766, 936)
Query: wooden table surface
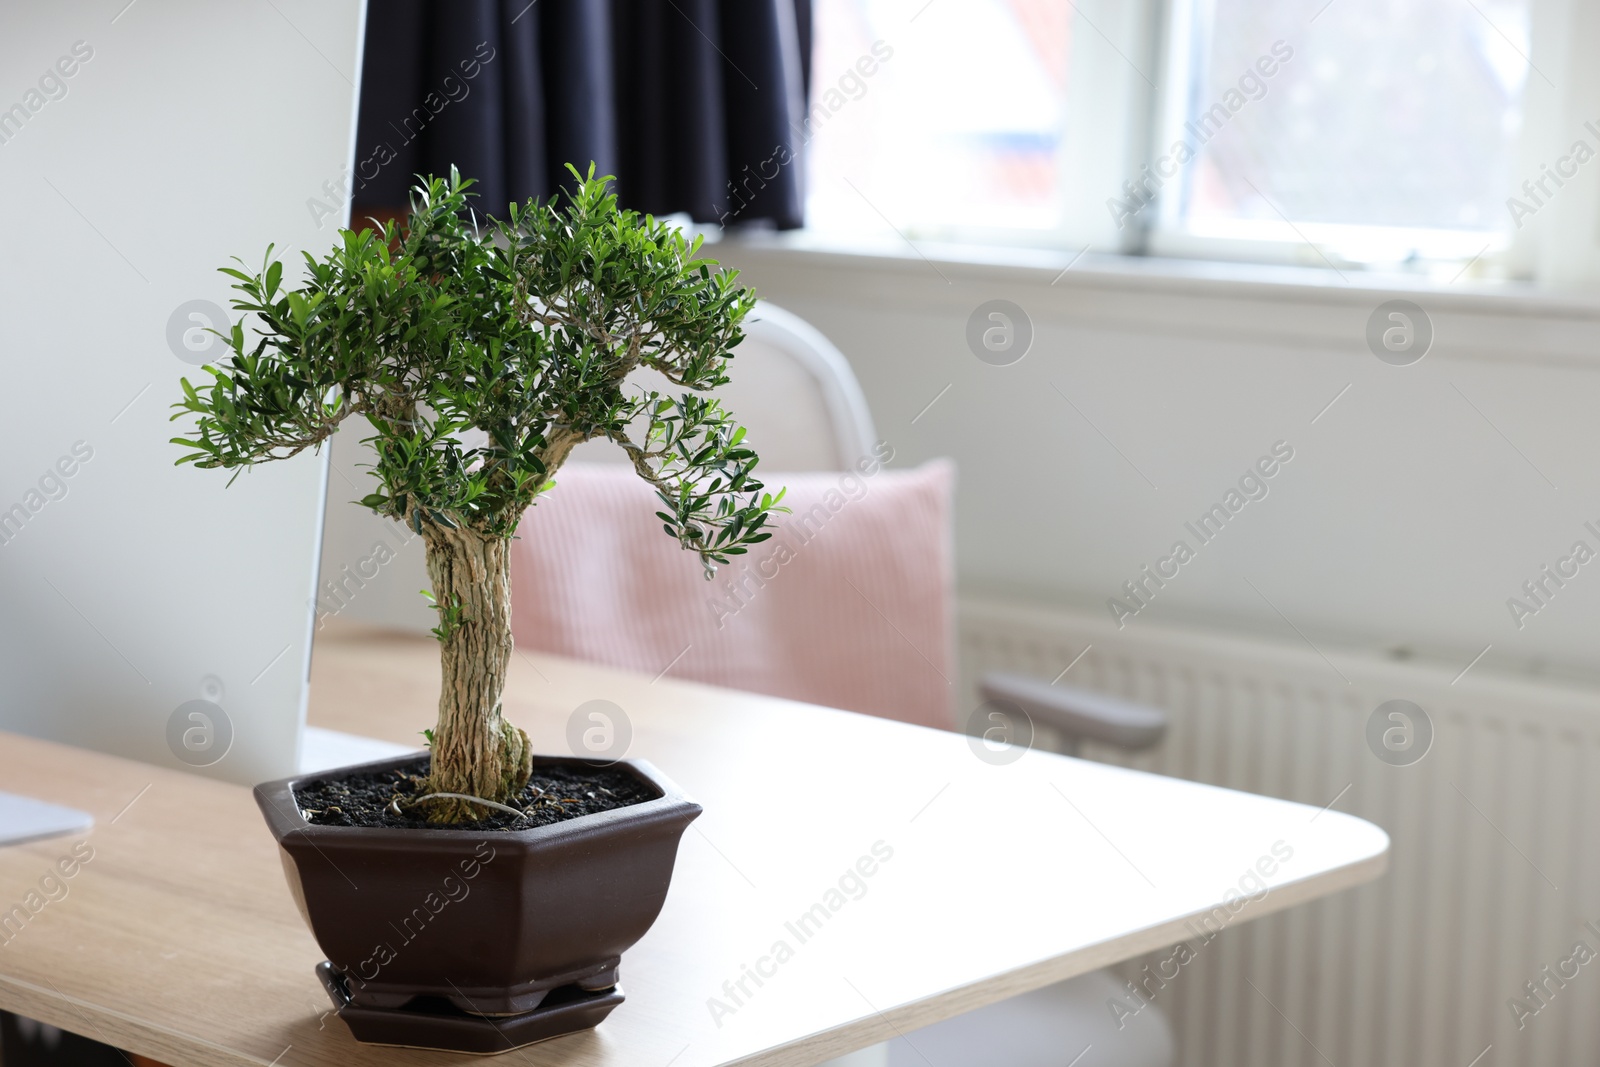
point(178, 939)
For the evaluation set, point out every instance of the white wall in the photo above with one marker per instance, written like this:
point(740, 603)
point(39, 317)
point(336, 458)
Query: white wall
point(1413, 508)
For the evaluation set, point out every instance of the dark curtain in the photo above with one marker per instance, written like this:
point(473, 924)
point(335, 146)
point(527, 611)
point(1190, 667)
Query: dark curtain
point(695, 105)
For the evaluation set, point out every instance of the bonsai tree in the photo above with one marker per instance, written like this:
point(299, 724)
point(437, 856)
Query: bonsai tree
point(480, 352)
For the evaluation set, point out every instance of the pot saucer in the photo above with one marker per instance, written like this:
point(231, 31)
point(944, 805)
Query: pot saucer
point(435, 1023)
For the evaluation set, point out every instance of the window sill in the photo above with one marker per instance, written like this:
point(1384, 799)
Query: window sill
point(953, 262)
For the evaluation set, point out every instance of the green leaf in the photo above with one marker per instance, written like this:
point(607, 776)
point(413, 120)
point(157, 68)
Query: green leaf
point(517, 331)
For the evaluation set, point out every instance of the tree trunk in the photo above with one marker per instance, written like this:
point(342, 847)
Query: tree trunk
point(475, 751)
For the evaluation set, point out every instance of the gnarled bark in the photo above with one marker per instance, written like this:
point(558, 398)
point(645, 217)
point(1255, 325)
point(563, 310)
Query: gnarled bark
point(475, 751)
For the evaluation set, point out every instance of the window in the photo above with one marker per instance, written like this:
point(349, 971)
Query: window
point(1393, 134)
point(1380, 132)
point(933, 143)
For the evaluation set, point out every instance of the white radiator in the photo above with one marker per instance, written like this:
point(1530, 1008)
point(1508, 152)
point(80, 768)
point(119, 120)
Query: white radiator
point(1494, 869)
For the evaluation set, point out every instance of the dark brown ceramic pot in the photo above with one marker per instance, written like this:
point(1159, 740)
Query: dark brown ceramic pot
point(489, 921)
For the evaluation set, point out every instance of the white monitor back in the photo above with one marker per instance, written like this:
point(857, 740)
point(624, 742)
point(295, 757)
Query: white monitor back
point(150, 610)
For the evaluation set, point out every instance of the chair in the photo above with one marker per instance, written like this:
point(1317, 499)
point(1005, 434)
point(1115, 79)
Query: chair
point(806, 412)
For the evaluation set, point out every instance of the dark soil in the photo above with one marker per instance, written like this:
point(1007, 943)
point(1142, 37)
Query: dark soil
point(554, 794)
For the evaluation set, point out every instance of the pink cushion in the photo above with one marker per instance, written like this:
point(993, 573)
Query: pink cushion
point(849, 604)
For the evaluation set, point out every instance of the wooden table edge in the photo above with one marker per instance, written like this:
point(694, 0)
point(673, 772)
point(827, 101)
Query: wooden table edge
point(118, 1029)
point(884, 1025)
